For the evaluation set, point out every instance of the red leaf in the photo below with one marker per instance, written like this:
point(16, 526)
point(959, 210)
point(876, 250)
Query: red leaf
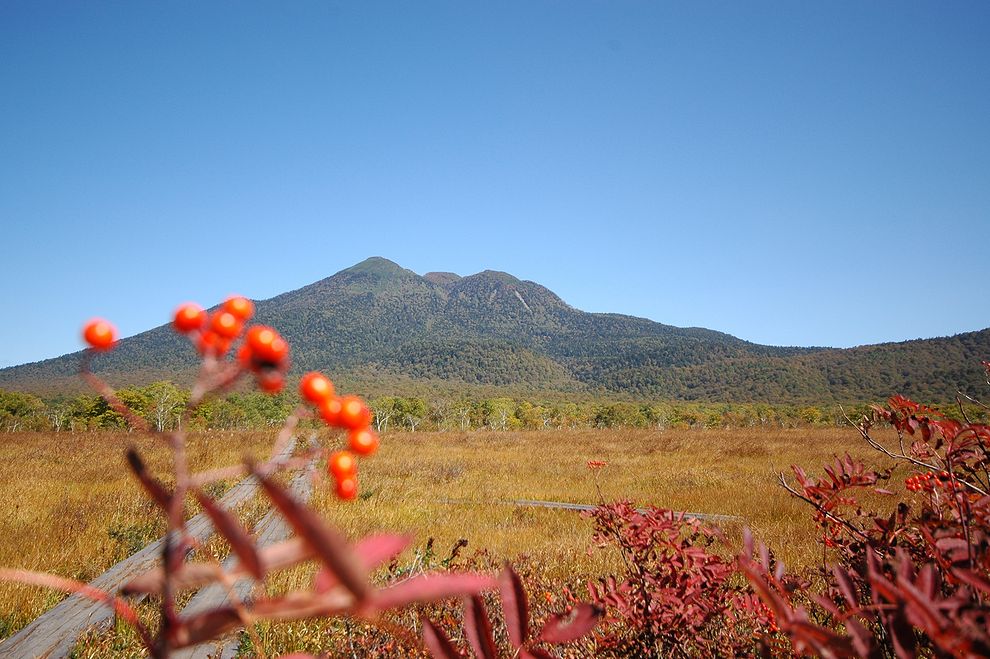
point(861, 637)
point(478, 628)
point(300, 604)
point(330, 547)
point(437, 642)
point(846, 587)
point(240, 542)
point(582, 620)
point(823, 641)
point(770, 597)
point(371, 552)
point(151, 484)
point(428, 588)
point(374, 550)
point(972, 578)
point(921, 609)
point(515, 606)
point(827, 604)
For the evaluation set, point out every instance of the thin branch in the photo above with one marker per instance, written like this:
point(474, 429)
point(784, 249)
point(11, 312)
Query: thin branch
point(908, 458)
point(975, 401)
point(961, 410)
point(817, 506)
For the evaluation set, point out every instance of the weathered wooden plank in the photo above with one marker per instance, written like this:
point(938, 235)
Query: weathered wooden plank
point(53, 633)
point(271, 529)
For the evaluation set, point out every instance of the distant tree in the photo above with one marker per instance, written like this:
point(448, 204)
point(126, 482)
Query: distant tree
point(383, 408)
point(812, 416)
point(264, 410)
point(20, 411)
point(412, 411)
point(617, 415)
point(59, 412)
point(162, 401)
point(715, 419)
point(462, 412)
point(500, 413)
point(441, 410)
point(658, 415)
point(529, 415)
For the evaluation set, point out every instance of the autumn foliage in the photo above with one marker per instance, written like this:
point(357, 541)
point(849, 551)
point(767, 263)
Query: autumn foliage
point(909, 582)
point(677, 596)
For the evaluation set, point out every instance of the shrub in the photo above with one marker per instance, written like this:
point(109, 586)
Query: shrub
point(914, 581)
point(676, 597)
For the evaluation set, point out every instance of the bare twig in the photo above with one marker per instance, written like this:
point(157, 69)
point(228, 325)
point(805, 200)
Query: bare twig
point(975, 401)
point(852, 528)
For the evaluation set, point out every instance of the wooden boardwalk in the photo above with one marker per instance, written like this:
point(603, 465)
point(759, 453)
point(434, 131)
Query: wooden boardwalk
point(270, 530)
point(54, 633)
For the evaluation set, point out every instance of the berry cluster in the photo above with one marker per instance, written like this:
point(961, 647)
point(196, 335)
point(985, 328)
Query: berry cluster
point(265, 353)
point(929, 481)
point(346, 412)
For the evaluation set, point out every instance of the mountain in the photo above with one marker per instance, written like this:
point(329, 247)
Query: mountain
point(377, 321)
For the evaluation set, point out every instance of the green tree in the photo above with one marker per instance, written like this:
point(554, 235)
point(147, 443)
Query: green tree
point(163, 402)
point(384, 410)
point(500, 413)
point(411, 411)
point(20, 411)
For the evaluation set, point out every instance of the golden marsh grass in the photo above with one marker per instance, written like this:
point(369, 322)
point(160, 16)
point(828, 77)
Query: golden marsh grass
point(72, 507)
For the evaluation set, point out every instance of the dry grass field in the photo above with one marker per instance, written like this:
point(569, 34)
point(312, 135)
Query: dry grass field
point(70, 506)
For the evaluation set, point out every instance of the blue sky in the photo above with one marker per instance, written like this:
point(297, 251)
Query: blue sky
point(790, 173)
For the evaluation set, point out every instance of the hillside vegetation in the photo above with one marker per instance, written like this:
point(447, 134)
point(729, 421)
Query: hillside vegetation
point(491, 329)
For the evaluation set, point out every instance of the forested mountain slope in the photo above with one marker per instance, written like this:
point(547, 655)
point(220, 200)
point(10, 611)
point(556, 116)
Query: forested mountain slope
point(494, 329)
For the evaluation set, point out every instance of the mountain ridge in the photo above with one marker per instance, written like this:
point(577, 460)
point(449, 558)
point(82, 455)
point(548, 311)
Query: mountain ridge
point(494, 329)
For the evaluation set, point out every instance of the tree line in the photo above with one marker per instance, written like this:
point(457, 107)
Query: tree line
point(161, 404)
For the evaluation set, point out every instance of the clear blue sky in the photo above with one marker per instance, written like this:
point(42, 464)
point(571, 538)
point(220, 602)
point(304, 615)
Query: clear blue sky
point(791, 173)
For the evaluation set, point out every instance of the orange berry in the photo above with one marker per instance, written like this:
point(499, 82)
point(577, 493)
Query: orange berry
point(347, 488)
point(342, 464)
point(354, 414)
point(226, 324)
point(364, 441)
point(241, 307)
point(330, 411)
point(265, 344)
point(99, 334)
point(315, 387)
point(188, 317)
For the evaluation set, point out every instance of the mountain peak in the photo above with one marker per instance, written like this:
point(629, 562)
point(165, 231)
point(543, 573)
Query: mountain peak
point(497, 276)
point(442, 278)
point(380, 267)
